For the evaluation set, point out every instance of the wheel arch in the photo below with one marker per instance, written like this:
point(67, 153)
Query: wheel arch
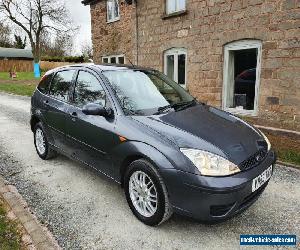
point(140, 150)
point(126, 162)
point(33, 121)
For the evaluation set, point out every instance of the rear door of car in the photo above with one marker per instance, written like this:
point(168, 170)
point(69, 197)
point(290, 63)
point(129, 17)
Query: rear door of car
point(91, 137)
point(57, 104)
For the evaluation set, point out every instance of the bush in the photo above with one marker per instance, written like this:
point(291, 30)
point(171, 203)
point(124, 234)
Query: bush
point(52, 59)
point(74, 59)
point(71, 59)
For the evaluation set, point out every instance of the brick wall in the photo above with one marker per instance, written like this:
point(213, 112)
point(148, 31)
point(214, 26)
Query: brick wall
point(207, 26)
point(114, 38)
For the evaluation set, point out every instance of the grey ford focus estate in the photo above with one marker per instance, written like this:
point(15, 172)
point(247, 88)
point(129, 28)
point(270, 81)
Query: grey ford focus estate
point(169, 152)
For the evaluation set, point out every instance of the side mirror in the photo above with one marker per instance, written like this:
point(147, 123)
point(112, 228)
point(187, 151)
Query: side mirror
point(97, 109)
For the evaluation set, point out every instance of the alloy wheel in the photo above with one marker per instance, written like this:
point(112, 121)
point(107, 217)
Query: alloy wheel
point(143, 193)
point(40, 141)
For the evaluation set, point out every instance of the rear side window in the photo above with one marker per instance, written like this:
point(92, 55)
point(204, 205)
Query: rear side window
point(61, 85)
point(44, 83)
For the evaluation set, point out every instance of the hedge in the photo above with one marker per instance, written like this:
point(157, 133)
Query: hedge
point(71, 59)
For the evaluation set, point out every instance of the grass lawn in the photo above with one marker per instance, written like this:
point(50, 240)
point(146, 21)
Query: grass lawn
point(9, 237)
point(17, 88)
point(286, 147)
point(21, 76)
point(289, 156)
point(24, 84)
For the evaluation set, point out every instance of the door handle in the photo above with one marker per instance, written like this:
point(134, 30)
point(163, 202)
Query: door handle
point(74, 116)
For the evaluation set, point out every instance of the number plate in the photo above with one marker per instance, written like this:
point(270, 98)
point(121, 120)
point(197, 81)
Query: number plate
point(261, 179)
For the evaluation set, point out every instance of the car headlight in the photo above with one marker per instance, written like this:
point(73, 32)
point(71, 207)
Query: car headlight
point(210, 164)
point(266, 139)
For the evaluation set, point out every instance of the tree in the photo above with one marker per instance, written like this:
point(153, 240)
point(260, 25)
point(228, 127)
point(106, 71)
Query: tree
point(5, 34)
point(35, 17)
point(19, 43)
point(60, 46)
point(87, 51)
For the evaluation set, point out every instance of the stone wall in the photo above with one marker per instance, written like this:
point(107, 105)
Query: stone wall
point(203, 30)
point(114, 38)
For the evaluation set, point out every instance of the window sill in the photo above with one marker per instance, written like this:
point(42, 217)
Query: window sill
point(174, 14)
point(242, 112)
point(113, 21)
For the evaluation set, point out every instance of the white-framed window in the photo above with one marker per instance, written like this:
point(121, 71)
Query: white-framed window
point(173, 6)
point(119, 59)
point(241, 76)
point(113, 10)
point(175, 65)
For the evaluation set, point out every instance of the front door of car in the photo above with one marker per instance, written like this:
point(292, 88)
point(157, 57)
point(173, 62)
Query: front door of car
point(91, 137)
point(56, 106)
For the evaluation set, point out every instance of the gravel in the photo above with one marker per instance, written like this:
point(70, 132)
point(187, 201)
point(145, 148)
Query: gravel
point(85, 210)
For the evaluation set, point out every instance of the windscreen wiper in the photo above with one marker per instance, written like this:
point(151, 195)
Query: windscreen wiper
point(132, 112)
point(186, 105)
point(180, 105)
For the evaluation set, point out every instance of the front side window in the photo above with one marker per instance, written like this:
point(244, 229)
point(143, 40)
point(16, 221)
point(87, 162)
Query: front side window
point(120, 59)
point(175, 65)
point(174, 6)
point(145, 92)
point(88, 90)
point(113, 10)
point(61, 85)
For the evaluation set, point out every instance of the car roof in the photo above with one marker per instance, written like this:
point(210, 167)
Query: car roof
point(117, 67)
point(104, 67)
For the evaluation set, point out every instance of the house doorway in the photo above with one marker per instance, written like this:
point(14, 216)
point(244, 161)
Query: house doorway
point(241, 77)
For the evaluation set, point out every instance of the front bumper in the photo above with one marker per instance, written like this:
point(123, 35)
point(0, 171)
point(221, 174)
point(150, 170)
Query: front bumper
point(214, 198)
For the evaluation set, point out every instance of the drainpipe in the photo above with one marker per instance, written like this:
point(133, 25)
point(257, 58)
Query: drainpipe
point(136, 32)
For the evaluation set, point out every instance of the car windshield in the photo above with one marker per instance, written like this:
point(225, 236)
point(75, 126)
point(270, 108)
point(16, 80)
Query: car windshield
point(146, 92)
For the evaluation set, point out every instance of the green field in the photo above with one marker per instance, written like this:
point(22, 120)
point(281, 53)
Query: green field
point(289, 156)
point(9, 237)
point(17, 88)
point(24, 84)
point(21, 76)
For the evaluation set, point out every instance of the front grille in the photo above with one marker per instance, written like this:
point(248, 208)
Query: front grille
point(220, 210)
point(254, 160)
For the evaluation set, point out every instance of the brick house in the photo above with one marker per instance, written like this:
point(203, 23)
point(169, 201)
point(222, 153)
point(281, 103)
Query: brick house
point(240, 55)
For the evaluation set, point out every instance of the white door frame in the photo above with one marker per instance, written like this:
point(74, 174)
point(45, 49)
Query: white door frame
point(240, 45)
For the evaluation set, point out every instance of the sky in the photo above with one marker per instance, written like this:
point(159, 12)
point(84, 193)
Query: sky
point(82, 18)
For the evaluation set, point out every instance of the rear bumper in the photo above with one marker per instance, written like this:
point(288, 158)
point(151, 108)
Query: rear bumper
point(213, 199)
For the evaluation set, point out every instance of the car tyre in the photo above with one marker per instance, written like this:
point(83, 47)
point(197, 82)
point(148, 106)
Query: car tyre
point(146, 193)
point(41, 144)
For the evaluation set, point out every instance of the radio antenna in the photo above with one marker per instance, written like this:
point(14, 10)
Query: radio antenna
point(131, 63)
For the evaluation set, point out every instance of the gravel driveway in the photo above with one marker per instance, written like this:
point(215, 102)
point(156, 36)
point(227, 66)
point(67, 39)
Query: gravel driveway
point(84, 210)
